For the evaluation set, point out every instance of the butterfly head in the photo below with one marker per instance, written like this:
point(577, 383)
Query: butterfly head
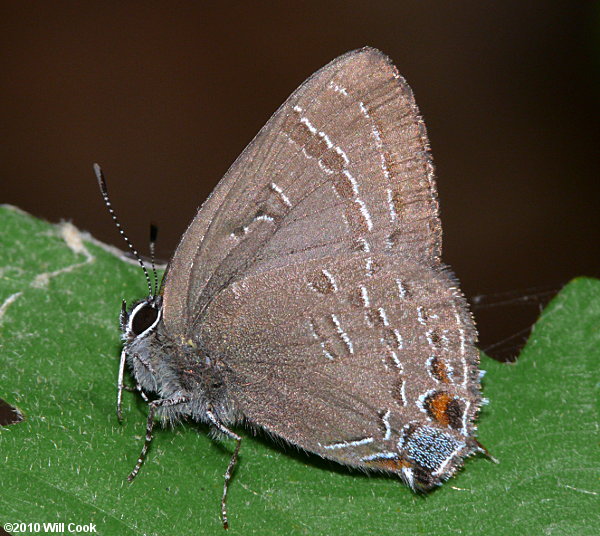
point(140, 327)
point(142, 319)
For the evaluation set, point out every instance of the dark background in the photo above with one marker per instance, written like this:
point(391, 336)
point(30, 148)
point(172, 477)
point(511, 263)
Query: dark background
point(165, 95)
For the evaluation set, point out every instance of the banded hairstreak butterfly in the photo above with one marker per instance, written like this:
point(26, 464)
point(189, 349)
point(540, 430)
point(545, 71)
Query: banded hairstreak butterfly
point(307, 297)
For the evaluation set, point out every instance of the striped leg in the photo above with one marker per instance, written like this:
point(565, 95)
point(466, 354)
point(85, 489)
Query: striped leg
point(224, 430)
point(152, 406)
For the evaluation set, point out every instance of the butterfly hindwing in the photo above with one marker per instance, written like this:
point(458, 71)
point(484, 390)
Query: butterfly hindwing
point(341, 360)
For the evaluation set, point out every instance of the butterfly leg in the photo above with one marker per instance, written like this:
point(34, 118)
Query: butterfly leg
point(121, 382)
point(152, 407)
point(238, 442)
point(120, 385)
point(137, 389)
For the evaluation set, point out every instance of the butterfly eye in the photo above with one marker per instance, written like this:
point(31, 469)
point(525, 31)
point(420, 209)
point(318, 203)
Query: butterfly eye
point(142, 318)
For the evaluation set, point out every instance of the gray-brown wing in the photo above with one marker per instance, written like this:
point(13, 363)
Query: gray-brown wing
point(343, 361)
point(343, 165)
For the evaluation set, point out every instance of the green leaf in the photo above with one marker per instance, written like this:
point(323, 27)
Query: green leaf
point(68, 460)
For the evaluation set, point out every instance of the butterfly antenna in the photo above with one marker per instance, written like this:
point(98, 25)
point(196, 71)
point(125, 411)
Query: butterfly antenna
point(104, 191)
point(153, 236)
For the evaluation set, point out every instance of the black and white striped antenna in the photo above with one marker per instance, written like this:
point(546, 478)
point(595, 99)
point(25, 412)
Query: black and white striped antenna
point(153, 236)
point(104, 191)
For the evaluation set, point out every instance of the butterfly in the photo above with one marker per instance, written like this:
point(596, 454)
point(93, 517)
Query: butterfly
point(307, 297)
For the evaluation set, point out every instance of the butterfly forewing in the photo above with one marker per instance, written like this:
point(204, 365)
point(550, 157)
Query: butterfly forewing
point(342, 166)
